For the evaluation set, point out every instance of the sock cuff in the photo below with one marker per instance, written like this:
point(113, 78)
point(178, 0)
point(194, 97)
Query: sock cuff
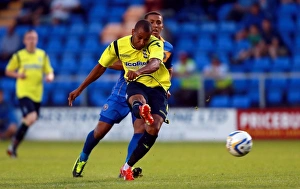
point(150, 136)
point(136, 103)
point(138, 134)
point(24, 124)
point(135, 109)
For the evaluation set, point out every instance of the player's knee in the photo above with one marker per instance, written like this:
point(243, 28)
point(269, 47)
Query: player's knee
point(137, 97)
point(152, 129)
point(12, 129)
point(30, 118)
point(139, 129)
point(101, 130)
point(155, 127)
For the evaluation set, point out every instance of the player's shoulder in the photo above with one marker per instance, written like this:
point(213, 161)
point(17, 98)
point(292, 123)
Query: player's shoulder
point(40, 51)
point(153, 38)
point(124, 39)
point(168, 46)
point(154, 41)
point(21, 51)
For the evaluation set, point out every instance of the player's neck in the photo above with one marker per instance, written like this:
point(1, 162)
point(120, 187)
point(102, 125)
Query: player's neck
point(30, 50)
point(131, 43)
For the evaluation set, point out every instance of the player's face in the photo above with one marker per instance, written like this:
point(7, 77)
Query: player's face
point(31, 39)
point(157, 24)
point(140, 38)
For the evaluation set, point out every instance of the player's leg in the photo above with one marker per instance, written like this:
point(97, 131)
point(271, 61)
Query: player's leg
point(144, 145)
point(8, 131)
point(91, 141)
point(137, 98)
point(139, 129)
point(158, 101)
point(30, 112)
point(112, 112)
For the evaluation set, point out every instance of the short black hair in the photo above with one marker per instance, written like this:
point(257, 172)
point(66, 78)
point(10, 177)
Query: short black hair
point(152, 13)
point(144, 24)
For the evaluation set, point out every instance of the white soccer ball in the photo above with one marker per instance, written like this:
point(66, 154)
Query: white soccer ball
point(239, 143)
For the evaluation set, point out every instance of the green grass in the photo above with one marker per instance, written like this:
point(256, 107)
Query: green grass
point(270, 164)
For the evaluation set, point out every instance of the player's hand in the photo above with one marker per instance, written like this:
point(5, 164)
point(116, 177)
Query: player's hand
point(132, 75)
point(168, 94)
point(49, 77)
point(21, 75)
point(73, 95)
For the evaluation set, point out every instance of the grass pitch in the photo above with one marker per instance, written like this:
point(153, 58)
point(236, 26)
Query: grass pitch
point(270, 164)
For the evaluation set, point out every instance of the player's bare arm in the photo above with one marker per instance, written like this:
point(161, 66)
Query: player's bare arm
point(15, 74)
point(152, 66)
point(96, 72)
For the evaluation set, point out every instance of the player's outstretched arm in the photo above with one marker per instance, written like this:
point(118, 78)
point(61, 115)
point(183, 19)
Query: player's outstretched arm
point(14, 74)
point(96, 72)
point(152, 66)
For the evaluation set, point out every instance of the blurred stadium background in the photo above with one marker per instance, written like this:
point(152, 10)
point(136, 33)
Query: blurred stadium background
point(260, 67)
point(75, 41)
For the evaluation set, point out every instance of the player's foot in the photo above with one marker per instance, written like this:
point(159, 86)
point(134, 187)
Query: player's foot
point(145, 112)
point(137, 172)
point(11, 152)
point(127, 173)
point(78, 167)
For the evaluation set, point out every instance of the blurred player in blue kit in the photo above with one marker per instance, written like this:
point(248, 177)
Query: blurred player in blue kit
point(8, 119)
point(116, 108)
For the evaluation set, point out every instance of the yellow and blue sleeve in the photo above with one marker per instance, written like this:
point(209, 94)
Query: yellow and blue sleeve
point(109, 56)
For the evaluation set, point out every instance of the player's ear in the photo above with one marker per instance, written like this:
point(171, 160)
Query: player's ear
point(132, 32)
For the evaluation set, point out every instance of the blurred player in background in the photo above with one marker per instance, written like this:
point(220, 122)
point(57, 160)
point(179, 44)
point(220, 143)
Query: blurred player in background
point(28, 66)
point(8, 120)
point(116, 108)
point(136, 52)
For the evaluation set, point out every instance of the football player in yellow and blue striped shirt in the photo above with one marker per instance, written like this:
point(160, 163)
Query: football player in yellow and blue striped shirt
point(156, 20)
point(28, 66)
point(148, 82)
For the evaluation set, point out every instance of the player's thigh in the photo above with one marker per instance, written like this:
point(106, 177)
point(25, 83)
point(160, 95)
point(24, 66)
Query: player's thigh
point(158, 101)
point(28, 106)
point(136, 88)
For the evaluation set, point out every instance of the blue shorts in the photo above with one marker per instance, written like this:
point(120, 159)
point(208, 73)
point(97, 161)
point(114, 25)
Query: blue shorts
point(114, 110)
point(3, 127)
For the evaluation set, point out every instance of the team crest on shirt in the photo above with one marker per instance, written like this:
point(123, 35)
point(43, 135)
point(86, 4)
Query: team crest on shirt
point(145, 53)
point(105, 107)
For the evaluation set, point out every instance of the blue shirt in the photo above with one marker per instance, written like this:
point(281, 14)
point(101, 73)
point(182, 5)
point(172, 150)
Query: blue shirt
point(120, 87)
point(7, 114)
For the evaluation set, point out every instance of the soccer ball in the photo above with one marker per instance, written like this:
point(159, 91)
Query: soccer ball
point(239, 143)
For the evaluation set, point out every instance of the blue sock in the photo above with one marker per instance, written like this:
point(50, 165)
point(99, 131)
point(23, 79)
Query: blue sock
point(133, 144)
point(89, 145)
